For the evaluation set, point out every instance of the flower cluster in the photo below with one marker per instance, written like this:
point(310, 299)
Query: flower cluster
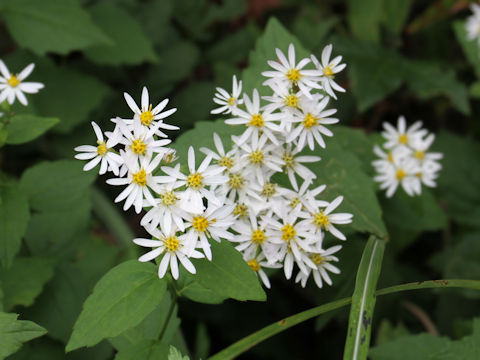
point(281, 220)
point(473, 23)
point(232, 195)
point(13, 86)
point(406, 160)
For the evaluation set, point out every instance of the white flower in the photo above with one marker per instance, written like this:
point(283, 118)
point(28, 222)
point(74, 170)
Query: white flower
point(223, 159)
point(329, 69)
point(172, 247)
point(293, 165)
point(256, 263)
point(400, 172)
point(100, 153)
point(283, 98)
point(148, 116)
point(228, 102)
point(13, 86)
point(290, 72)
point(473, 23)
point(323, 264)
point(402, 135)
point(312, 119)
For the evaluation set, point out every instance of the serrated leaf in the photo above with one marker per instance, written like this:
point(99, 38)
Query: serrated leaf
point(58, 26)
point(228, 274)
point(56, 185)
point(14, 218)
point(25, 280)
point(113, 308)
point(69, 95)
point(131, 46)
point(23, 128)
point(14, 332)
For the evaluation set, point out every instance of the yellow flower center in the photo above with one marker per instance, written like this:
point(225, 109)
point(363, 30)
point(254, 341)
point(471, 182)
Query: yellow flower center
point(328, 71)
point(200, 224)
point(293, 204)
point(309, 121)
point(226, 161)
point(231, 101)
point(171, 243)
point(195, 180)
point(256, 157)
point(321, 220)
point(236, 181)
point(146, 116)
point(258, 237)
point(390, 157)
point(400, 174)
point(13, 81)
point(257, 121)
point(102, 148)
point(293, 75)
point(168, 198)
point(403, 139)
point(291, 100)
point(288, 232)
point(289, 160)
point(240, 210)
point(419, 175)
point(419, 154)
point(317, 259)
point(254, 265)
point(138, 147)
point(140, 178)
point(269, 189)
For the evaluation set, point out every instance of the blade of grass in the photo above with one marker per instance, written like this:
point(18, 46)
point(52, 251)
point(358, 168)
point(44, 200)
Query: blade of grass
point(267, 332)
point(363, 300)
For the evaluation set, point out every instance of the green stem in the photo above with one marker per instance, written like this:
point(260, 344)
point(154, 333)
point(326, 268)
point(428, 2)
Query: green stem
point(114, 221)
point(257, 337)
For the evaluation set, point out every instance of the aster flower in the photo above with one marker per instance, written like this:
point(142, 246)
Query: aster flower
point(400, 172)
point(328, 69)
point(13, 86)
point(293, 165)
point(223, 159)
point(323, 262)
point(257, 263)
point(100, 154)
point(228, 102)
point(402, 135)
point(472, 25)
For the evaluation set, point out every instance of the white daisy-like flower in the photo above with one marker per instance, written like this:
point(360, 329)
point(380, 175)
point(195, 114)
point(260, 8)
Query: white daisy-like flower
point(196, 182)
point(293, 165)
point(323, 264)
point(150, 117)
point(473, 23)
point(228, 102)
point(399, 172)
point(402, 135)
point(100, 154)
point(294, 74)
point(325, 219)
point(13, 86)
point(257, 122)
point(139, 179)
point(328, 69)
point(257, 263)
point(223, 159)
point(310, 129)
point(283, 98)
point(172, 247)
point(213, 223)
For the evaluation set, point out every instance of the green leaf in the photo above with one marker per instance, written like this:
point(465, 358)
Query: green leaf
point(14, 332)
point(466, 348)
point(120, 300)
point(145, 350)
point(275, 36)
point(131, 46)
point(23, 128)
point(189, 287)
point(25, 280)
point(56, 185)
point(469, 47)
point(14, 217)
point(58, 26)
point(69, 94)
point(387, 332)
point(174, 354)
point(363, 300)
point(364, 18)
point(395, 13)
point(228, 274)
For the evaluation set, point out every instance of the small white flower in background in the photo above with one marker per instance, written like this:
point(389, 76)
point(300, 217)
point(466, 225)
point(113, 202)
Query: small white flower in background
point(473, 23)
point(329, 69)
point(13, 86)
point(406, 161)
point(228, 102)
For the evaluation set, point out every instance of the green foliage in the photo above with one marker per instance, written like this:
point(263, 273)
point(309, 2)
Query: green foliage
point(25, 279)
point(113, 308)
point(23, 128)
point(14, 217)
point(191, 288)
point(228, 274)
point(14, 332)
point(364, 19)
point(469, 47)
point(174, 354)
point(144, 349)
point(33, 24)
point(130, 46)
